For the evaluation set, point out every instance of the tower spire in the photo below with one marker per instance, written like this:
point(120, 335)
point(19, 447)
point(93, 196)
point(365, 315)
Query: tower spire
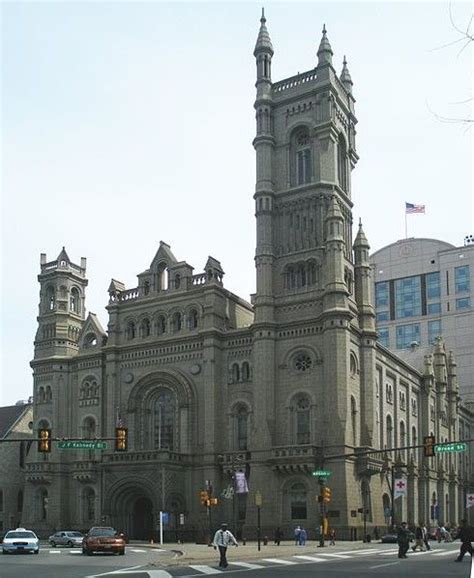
point(346, 77)
point(324, 51)
point(264, 43)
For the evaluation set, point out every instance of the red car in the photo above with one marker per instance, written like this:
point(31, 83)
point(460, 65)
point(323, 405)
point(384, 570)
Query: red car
point(103, 539)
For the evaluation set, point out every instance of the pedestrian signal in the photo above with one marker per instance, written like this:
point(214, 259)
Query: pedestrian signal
point(203, 497)
point(326, 495)
point(121, 439)
point(44, 441)
point(429, 443)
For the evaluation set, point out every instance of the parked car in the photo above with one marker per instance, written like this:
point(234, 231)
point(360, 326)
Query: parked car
point(20, 540)
point(103, 539)
point(391, 537)
point(66, 538)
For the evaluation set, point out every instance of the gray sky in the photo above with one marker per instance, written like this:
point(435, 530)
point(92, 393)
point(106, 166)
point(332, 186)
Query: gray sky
point(128, 123)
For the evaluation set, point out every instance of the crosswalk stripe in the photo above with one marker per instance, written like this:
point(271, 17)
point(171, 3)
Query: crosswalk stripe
point(362, 551)
point(55, 551)
point(279, 561)
point(345, 556)
point(311, 558)
point(158, 574)
point(248, 565)
point(75, 552)
point(136, 550)
point(448, 553)
point(206, 569)
point(388, 553)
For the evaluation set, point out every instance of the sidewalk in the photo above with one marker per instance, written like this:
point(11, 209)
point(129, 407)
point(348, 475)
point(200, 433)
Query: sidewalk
point(185, 554)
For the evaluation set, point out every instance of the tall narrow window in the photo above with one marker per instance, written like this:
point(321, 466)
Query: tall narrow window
point(389, 432)
point(303, 158)
point(354, 420)
point(302, 411)
point(50, 298)
point(298, 502)
point(342, 163)
point(145, 327)
point(74, 300)
point(235, 373)
point(165, 418)
point(161, 325)
point(242, 428)
point(192, 319)
point(176, 321)
point(88, 504)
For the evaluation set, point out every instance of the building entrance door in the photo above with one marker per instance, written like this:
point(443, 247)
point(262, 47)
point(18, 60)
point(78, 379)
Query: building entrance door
point(142, 519)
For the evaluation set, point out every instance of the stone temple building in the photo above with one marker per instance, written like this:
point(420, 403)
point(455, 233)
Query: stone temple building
point(209, 384)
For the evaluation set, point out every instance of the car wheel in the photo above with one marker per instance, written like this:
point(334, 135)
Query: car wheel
point(70, 544)
point(53, 544)
point(122, 552)
point(37, 551)
point(88, 552)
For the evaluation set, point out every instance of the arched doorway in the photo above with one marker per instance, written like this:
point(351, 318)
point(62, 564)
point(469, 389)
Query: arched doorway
point(142, 519)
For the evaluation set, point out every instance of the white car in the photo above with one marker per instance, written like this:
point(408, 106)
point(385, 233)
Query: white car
point(20, 540)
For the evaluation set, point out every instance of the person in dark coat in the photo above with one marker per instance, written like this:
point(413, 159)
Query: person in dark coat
point(465, 535)
point(278, 536)
point(403, 539)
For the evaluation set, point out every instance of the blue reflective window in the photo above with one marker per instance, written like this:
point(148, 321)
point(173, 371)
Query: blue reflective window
point(433, 308)
point(463, 303)
point(461, 279)
point(433, 285)
point(434, 330)
point(384, 336)
point(383, 316)
point(407, 297)
point(381, 295)
point(407, 334)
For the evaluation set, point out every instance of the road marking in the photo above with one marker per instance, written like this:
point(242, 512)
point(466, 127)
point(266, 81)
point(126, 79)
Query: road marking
point(382, 565)
point(136, 550)
point(206, 569)
point(75, 552)
point(361, 551)
point(54, 551)
point(388, 553)
point(448, 553)
point(248, 565)
point(279, 561)
point(124, 571)
point(310, 558)
point(335, 555)
point(158, 574)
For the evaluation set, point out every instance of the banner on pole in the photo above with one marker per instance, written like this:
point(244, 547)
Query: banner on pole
point(400, 488)
point(469, 500)
point(241, 486)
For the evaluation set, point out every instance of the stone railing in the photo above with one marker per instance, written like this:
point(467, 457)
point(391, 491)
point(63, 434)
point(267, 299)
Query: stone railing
point(291, 459)
point(145, 456)
point(199, 279)
point(294, 81)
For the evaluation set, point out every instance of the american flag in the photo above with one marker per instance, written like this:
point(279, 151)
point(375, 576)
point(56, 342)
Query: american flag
point(411, 208)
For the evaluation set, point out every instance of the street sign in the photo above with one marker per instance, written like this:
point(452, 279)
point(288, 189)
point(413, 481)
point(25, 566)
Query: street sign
point(454, 447)
point(321, 473)
point(82, 445)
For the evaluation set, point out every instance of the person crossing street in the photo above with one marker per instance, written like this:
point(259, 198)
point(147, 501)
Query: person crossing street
point(465, 535)
point(403, 539)
point(222, 539)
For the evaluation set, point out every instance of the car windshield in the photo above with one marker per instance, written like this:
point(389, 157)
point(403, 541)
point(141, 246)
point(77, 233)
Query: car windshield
point(20, 535)
point(75, 534)
point(102, 532)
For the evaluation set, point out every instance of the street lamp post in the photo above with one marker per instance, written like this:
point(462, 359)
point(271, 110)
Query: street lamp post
point(258, 503)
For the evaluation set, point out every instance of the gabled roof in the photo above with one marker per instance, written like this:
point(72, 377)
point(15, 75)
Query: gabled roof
point(63, 256)
point(91, 325)
point(9, 415)
point(164, 253)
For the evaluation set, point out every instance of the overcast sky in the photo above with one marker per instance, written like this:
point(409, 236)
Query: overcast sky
point(124, 124)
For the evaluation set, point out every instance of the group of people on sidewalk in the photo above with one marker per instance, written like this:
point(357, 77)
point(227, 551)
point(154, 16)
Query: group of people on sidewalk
point(465, 534)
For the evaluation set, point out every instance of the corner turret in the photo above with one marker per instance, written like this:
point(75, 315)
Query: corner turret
point(325, 52)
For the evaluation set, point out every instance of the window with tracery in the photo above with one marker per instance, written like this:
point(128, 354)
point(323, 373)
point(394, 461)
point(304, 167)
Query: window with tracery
point(192, 319)
point(165, 420)
point(302, 420)
point(302, 362)
point(303, 158)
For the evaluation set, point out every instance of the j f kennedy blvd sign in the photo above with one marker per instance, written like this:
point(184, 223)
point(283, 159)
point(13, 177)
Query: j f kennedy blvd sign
point(321, 473)
point(82, 445)
point(454, 447)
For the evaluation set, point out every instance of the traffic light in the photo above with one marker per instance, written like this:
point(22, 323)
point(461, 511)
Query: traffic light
point(326, 495)
point(44, 441)
point(203, 497)
point(213, 502)
point(429, 443)
point(121, 439)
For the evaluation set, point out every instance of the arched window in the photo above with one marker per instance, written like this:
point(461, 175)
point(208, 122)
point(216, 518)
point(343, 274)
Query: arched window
point(302, 160)
point(88, 505)
point(74, 300)
point(48, 394)
point(242, 427)
point(235, 373)
point(131, 331)
point(146, 287)
point(89, 428)
point(192, 319)
point(302, 420)
point(50, 298)
point(19, 501)
point(298, 501)
point(354, 419)
point(165, 420)
point(145, 327)
point(312, 273)
point(42, 502)
point(162, 277)
point(403, 437)
point(342, 163)
point(41, 395)
point(161, 325)
point(389, 443)
point(90, 340)
point(245, 371)
point(177, 281)
point(414, 442)
point(290, 278)
point(353, 365)
point(176, 321)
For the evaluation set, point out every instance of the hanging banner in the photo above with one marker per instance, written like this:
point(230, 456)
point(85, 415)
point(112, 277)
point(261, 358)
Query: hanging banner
point(241, 486)
point(469, 500)
point(400, 488)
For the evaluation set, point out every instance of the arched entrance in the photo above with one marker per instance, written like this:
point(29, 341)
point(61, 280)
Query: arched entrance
point(142, 519)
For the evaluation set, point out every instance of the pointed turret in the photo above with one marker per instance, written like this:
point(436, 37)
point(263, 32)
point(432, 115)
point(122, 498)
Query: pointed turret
point(440, 368)
point(264, 43)
point(361, 244)
point(63, 257)
point(346, 77)
point(363, 282)
point(324, 51)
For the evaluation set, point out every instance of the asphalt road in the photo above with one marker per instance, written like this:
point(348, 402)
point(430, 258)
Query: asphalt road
point(375, 561)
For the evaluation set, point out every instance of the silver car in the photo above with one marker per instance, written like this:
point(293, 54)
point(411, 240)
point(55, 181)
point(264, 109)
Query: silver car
point(66, 538)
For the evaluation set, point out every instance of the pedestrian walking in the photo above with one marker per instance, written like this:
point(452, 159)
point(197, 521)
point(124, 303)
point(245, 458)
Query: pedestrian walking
point(303, 537)
point(376, 533)
point(465, 535)
point(419, 538)
point(222, 539)
point(278, 535)
point(297, 535)
point(332, 537)
point(403, 539)
point(426, 537)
